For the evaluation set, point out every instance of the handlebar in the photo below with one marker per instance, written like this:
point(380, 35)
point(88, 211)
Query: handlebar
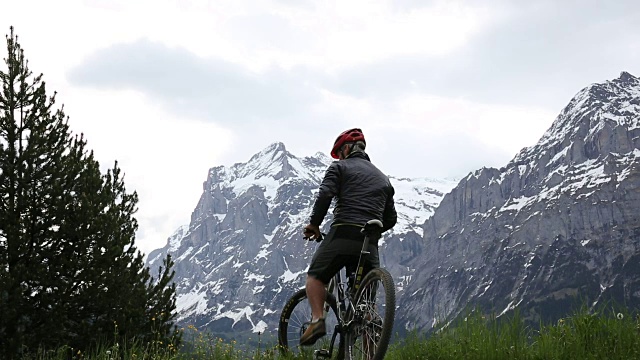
point(307, 236)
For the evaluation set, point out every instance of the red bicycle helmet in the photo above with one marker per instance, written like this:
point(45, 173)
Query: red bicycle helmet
point(351, 135)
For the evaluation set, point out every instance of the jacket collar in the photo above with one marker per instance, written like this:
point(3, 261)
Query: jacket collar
point(359, 154)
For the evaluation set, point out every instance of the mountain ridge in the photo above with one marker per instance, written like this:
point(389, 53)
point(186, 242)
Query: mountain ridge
point(242, 254)
point(557, 221)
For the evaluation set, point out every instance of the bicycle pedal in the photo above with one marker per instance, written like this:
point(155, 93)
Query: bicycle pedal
point(321, 354)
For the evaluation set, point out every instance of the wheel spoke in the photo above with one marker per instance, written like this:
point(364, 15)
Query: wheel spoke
point(297, 317)
point(373, 322)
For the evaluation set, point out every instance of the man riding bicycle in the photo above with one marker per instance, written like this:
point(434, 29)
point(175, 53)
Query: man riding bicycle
point(363, 193)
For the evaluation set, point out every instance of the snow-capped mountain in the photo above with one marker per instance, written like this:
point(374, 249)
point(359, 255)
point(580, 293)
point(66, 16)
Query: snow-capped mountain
point(242, 255)
point(557, 226)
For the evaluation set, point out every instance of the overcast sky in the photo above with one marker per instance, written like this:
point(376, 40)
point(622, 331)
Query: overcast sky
point(170, 89)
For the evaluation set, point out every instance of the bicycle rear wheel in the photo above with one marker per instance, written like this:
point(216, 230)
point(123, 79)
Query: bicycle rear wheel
point(296, 317)
point(370, 331)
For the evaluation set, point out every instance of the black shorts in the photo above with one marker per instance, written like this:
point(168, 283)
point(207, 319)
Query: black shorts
point(341, 248)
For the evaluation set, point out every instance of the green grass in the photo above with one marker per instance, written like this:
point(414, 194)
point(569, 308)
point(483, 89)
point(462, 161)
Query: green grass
point(584, 335)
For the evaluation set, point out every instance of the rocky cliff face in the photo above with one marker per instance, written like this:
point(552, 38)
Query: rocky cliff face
point(558, 225)
point(242, 255)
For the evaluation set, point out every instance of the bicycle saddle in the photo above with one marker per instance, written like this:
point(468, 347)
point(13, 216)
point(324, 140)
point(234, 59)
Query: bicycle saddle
point(372, 225)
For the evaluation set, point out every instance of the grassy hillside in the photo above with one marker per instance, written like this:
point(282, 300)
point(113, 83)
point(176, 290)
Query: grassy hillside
point(606, 334)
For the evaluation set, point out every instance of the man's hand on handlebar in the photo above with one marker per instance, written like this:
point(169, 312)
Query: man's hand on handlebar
point(312, 232)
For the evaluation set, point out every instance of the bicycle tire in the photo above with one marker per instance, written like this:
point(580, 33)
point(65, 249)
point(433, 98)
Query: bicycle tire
point(370, 331)
point(294, 319)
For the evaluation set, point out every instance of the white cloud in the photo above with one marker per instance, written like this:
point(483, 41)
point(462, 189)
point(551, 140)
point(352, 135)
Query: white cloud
point(165, 158)
point(257, 34)
point(506, 127)
point(351, 32)
point(423, 135)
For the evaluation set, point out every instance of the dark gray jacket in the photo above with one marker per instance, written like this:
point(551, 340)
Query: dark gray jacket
point(362, 191)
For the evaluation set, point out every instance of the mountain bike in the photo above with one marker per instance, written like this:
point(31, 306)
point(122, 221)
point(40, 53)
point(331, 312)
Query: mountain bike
point(359, 312)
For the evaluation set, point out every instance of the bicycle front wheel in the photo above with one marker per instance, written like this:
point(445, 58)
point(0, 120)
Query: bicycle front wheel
point(295, 319)
point(372, 323)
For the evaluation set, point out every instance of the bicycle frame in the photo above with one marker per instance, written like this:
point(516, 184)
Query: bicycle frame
point(346, 292)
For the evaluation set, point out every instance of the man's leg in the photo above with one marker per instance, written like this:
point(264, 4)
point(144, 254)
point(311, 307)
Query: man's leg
point(321, 265)
point(316, 293)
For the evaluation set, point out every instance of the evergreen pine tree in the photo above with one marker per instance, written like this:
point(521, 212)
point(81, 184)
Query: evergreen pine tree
point(70, 273)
